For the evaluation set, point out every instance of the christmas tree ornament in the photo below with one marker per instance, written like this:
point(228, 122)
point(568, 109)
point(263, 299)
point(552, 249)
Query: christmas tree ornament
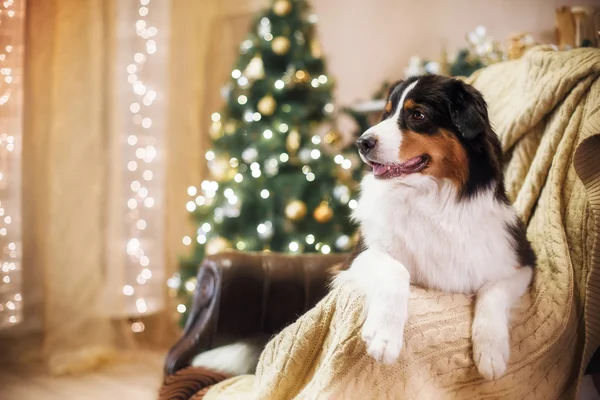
point(266, 105)
point(332, 137)
point(255, 68)
point(315, 49)
point(216, 130)
point(282, 7)
point(220, 169)
point(323, 213)
point(299, 38)
point(249, 155)
point(295, 210)
point(217, 245)
point(292, 143)
point(301, 76)
point(271, 166)
point(280, 45)
point(304, 155)
point(344, 174)
point(230, 127)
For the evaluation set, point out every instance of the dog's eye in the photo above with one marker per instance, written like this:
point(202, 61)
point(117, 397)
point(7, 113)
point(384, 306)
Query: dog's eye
point(419, 116)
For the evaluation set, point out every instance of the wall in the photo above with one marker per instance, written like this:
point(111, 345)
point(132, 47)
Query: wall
point(366, 42)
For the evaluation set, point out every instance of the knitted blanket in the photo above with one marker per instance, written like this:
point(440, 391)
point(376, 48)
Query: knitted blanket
point(546, 109)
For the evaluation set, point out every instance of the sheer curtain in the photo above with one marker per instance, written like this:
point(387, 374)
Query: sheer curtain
point(78, 312)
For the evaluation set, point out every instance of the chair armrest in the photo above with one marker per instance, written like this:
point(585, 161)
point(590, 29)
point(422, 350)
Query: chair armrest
point(241, 295)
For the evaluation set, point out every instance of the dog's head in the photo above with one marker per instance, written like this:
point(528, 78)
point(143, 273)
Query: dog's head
point(434, 128)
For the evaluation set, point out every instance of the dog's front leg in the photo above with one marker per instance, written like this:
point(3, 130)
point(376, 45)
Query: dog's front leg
point(385, 283)
point(491, 344)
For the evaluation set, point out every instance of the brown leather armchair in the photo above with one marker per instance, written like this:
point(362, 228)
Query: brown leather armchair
point(241, 295)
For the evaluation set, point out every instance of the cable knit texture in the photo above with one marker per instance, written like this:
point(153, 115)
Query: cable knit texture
point(546, 109)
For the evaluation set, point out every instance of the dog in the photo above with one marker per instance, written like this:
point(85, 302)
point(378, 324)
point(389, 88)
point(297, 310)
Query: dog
point(434, 213)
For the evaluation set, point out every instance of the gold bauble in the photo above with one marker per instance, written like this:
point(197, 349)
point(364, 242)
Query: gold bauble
point(255, 69)
point(301, 76)
point(323, 213)
point(332, 137)
point(221, 170)
point(295, 210)
point(282, 7)
point(266, 105)
point(230, 127)
point(315, 49)
point(344, 175)
point(216, 130)
point(292, 143)
point(280, 45)
point(217, 245)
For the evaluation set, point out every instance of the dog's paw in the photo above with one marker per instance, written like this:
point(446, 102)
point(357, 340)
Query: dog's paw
point(491, 348)
point(383, 337)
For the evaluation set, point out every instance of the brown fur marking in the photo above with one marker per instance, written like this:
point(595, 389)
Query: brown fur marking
point(388, 107)
point(448, 157)
point(408, 104)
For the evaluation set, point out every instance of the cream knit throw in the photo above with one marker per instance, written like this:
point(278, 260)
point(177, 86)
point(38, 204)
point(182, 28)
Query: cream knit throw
point(546, 109)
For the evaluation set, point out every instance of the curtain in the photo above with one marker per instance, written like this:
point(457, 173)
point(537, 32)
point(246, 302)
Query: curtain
point(71, 321)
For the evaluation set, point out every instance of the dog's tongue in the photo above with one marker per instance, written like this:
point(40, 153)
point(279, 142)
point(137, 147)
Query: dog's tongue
point(404, 168)
point(379, 169)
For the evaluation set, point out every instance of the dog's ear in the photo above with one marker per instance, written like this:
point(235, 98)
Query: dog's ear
point(468, 109)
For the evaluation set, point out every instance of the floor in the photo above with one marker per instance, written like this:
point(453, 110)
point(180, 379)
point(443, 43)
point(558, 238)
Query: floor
point(136, 381)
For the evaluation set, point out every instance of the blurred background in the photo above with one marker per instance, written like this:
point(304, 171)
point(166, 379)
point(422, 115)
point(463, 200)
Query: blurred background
point(138, 136)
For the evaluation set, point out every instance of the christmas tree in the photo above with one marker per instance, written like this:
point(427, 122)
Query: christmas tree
point(277, 182)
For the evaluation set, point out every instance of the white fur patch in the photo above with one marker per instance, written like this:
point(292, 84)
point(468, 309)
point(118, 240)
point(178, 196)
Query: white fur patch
point(388, 133)
point(416, 229)
point(235, 359)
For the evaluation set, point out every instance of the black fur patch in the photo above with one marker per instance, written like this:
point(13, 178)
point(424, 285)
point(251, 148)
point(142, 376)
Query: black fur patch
point(525, 253)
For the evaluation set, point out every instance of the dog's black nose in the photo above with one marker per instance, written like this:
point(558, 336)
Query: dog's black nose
point(366, 144)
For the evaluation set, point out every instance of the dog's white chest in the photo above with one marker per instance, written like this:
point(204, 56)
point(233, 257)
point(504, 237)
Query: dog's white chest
point(446, 245)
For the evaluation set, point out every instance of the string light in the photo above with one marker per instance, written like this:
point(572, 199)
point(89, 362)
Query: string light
point(142, 53)
point(293, 246)
point(12, 21)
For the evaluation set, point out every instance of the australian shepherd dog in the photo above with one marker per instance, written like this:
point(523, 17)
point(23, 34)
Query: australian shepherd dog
point(432, 212)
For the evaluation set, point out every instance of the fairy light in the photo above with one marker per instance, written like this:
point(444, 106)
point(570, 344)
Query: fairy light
point(12, 21)
point(141, 109)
